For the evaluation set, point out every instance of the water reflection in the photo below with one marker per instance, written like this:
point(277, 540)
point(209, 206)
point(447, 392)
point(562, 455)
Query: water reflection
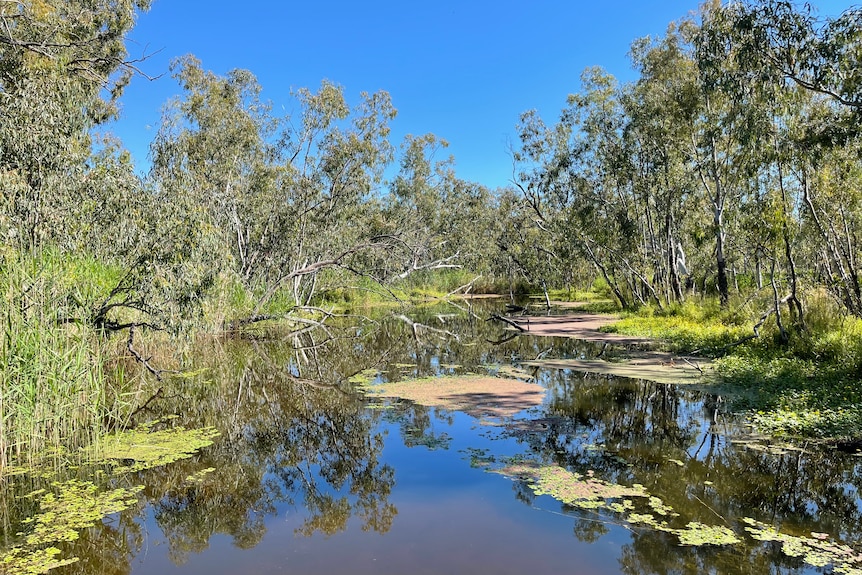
point(303, 457)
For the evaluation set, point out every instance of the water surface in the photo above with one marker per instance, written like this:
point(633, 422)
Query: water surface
point(312, 477)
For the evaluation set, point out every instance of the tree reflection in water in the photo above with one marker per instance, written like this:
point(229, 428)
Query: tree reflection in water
point(297, 439)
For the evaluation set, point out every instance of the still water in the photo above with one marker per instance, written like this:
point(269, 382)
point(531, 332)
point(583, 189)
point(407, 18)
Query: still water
point(311, 476)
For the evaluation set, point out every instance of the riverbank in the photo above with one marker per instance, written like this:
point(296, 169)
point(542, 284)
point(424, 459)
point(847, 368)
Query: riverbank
point(807, 387)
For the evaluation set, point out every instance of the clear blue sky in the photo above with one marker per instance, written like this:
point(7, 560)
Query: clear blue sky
point(462, 69)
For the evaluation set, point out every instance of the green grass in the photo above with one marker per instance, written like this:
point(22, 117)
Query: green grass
point(56, 392)
point(810, 387)
point(693, 327)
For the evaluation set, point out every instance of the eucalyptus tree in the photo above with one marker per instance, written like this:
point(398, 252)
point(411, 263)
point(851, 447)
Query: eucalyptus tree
point(536, 241)
point(287, 197)
point(584, 186)
point(727, 131)
point(63, 65)
point(790, 50)
point(434, 219)
point(414, 210)
point(660, 108)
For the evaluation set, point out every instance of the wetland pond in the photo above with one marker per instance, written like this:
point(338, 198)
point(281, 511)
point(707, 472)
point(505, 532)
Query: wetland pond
point(433, 441)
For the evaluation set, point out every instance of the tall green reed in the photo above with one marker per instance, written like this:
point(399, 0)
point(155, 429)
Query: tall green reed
point(54, 393)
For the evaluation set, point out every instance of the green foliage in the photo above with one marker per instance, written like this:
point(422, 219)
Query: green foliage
point(62, 68)
point(808, 387)
point(55, 389)
point(701, 327)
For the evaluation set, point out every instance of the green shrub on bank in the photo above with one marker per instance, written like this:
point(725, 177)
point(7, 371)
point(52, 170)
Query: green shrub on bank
point(692, 327)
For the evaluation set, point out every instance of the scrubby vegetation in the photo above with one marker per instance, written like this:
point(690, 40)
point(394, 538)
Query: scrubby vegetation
point(808, 386)
point(722, 167)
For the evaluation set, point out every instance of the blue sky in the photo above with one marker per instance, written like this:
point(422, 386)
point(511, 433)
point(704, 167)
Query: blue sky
point(462, 69)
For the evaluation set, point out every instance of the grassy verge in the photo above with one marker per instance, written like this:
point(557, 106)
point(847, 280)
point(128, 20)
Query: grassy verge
point(810, 387)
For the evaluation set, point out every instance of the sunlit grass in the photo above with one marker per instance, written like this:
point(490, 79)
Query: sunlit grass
point(55, 390)
point(807, 387)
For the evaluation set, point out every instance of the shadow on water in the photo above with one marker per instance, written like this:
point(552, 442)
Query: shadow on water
point(310, 476)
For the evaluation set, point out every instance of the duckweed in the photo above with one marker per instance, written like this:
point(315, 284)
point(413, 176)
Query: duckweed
point(72, 506)
point(817, 550)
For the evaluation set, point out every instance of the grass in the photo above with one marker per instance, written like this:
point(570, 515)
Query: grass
point(56, 392)
point(809, 387)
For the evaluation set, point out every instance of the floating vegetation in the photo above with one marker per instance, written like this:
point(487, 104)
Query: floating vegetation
point(364, 377)
point(381, 406)
point(817, 550)
point(588, 492)
point(479, 458)
point(146, 448)
point(72, 506)
point(660, 368)
point(476, 395)
point(509, 371)
point(200, 476)
point(659, 507)
point(765, 444)
point(698, 534)
point(583, 491)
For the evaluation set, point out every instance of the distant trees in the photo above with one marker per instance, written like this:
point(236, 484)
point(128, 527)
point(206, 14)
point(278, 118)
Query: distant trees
point(731, 161)
point(738, 143)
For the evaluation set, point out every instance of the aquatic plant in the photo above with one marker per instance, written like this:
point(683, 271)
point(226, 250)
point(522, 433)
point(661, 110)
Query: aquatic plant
point(146, 448)
point(75, 505)
point(697, 534)
point(476, 395)
point(583, 491)
point(589, 492)
point(818, 550)
point(72, 505)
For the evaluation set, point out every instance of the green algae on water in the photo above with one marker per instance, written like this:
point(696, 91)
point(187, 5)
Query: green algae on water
point(589, 492)
point(146, 448)
point(584, 491)
point(697, 534)
point(364, 378)
point(817, 550)
point(70, 507)
point(200, 476)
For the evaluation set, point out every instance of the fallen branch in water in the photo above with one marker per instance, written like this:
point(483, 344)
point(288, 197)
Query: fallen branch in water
point(498, 317)
point(145, 362)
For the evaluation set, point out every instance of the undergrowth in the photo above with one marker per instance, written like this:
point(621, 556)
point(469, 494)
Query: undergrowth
point(53, 375)
point(809, 386)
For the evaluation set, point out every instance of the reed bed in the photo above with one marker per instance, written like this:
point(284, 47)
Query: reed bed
point(54, 393)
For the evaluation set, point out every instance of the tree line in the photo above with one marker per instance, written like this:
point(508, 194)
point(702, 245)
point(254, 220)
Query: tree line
point(730, 164)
